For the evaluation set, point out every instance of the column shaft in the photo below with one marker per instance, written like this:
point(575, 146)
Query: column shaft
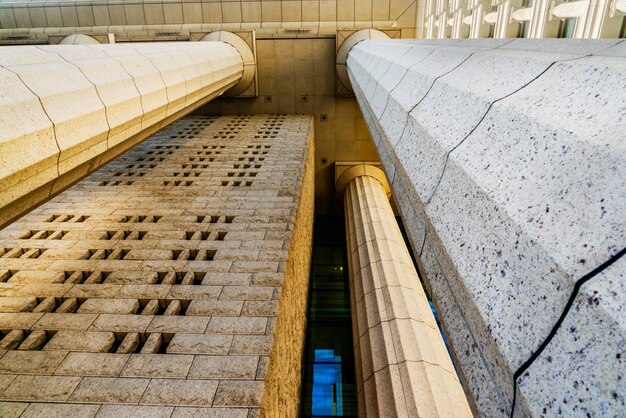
point(403, 367)
point(67, 109)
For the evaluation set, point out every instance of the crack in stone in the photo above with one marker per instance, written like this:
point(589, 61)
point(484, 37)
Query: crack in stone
point(485, 115)
point(613, 259)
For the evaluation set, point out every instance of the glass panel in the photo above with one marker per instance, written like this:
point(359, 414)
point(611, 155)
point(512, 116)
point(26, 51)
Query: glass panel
point(328, 388)
point(567, 27)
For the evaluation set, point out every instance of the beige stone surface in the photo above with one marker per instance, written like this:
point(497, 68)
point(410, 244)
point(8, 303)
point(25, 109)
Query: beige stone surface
point(81, 341)
point(25, 126)
point(12, 409)
point(40, 388)
point(180, 392)
point(77, 103)
point(109, 306)
point(35, 410)
point(31, 362)
point(403, 366)
point(111, 390)
point(224, 367)
point(91, 364)
point(151, 303)
point(24, 304)
point(200, 344)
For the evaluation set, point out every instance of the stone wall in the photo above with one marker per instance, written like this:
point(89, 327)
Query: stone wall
point(283, 381)
point(152, 287)
point(507, 161)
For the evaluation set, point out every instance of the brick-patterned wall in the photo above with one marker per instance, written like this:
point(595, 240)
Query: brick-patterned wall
point(152, 286)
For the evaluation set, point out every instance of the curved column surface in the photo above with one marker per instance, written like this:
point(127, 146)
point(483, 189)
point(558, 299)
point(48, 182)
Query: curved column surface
point(78, 39)
point(403, 367)
point(507, 161)
point(66, 109)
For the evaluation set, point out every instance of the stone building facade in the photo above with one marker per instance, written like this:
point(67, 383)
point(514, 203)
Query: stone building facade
point(165, 280)
point(162, 165)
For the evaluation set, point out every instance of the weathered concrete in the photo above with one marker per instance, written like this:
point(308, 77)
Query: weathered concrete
point(177, 280)
point(403, 367)
point(67, 109)
point(507, 161)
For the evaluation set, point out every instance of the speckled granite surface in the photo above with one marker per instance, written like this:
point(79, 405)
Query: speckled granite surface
point(511, 156)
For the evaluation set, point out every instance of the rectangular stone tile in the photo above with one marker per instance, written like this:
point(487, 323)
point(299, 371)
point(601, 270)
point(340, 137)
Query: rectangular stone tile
point(102, 290)
point(65, 321)
point(55, 410)
point(31, 362)
point(20, 320)
point(158, 365)
point(12, 339)
point(5, 381)
point(246, 293)
point(237, 255)
point(194, 292)
point(97, 342)
point(147, 254)
point(213, 266)
point(117, 411)
point(172, 324)
point(12, 409)
point(179, 392)
point(133, 277)
point(224, 367)
point(200, 344)
point(237, 325)
point(260, 308)
point(109, 306)
point(37, 276)
point(22, 304)
point(122, 323)
point(148, 291)
point(196, 412)
point(92, 364)
point(214, 307)
point(230, 279)
point(268, 279)
point(254, 266)
point(251, 344)
point(238, 393)
point(66, 254)
point(41, 388)
point(109, 390)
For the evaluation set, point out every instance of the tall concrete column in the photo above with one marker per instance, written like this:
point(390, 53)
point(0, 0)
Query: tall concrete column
point(67, 109)
point(403, 367)
point(515, 205)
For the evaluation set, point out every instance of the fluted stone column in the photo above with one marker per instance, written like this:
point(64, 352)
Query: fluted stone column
point(403, 367)
point(67, 109)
